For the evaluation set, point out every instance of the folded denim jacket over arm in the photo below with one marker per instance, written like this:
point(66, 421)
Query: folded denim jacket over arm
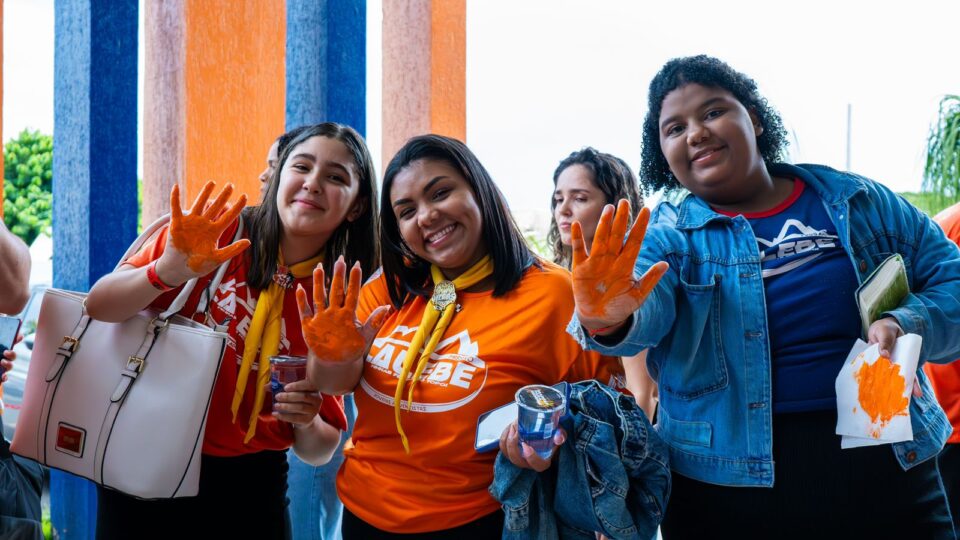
point(611, 476)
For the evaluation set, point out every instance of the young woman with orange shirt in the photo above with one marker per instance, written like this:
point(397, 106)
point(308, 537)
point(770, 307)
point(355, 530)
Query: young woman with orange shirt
point(459, 281)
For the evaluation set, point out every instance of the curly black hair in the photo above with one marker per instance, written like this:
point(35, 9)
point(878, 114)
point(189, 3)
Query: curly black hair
point(711, 72)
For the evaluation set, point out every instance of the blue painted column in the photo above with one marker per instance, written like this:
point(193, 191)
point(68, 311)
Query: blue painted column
point(326, 62)
point(94, 177)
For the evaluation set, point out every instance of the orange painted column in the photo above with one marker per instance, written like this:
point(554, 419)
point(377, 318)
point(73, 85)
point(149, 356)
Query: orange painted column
point(424, 70)
point(214, 95)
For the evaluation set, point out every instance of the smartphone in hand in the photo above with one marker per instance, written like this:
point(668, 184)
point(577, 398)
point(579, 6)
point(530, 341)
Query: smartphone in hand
point(9, 328)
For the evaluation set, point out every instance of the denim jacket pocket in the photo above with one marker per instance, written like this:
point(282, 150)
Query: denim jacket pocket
point(694, 363)
point(517, 518)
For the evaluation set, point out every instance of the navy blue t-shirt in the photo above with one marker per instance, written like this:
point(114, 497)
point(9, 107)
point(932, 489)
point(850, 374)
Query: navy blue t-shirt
point(810, 287)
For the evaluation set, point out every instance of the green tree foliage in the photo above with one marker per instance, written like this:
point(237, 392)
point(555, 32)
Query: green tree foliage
point(941, 172)
point(28, 184)
point(929, 203)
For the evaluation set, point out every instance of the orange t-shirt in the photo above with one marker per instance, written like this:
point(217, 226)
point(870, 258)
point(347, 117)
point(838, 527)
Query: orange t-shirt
point(946, 377)
point(233, 305)
point(492, 347)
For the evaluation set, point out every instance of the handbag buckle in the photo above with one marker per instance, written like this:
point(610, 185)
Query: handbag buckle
point(137, 362)
point(69, 343)
point(157, 326)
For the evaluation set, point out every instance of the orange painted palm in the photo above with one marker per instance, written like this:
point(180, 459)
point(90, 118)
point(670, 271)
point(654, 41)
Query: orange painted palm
point(604, 287)
point(195, 235)
point(332, 331)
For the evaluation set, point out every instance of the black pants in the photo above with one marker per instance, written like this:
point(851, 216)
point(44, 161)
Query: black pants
point(490, 526)
point(820, 491)
point(950, 471)
point(240, 497)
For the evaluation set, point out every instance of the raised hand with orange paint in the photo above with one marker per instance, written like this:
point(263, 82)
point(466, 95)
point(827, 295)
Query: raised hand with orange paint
point(604, 287)
point(332, 331)
point(193, 249)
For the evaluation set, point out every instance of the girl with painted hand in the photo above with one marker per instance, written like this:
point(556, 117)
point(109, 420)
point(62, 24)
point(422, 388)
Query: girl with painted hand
point(585, 182)
point(320, 204)
point(474, 317)
point(751, 323)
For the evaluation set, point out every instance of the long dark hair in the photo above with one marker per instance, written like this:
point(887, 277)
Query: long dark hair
point(408, 274)
point(611, 175)
point(712, 73)
point(356, 240)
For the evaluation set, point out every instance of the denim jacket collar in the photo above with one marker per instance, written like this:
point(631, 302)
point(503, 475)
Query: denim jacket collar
point(695, 213)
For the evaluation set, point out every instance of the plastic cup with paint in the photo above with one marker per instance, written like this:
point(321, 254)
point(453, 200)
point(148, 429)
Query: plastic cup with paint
point(284, 370)
point(539, 409)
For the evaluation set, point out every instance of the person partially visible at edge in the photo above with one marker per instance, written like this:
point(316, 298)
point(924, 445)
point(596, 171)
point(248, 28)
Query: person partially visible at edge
point(273, 154)
point(19, 500)
point(446, 229)
point(744, 293)
point(945, 380)
point(14, 288)
point(320, 205)
point(584, 182)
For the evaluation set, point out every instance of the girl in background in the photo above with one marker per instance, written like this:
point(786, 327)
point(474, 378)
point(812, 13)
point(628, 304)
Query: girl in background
point(585, 182)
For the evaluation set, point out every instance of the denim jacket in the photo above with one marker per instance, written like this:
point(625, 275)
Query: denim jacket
point(706, 322)
point(611, 476)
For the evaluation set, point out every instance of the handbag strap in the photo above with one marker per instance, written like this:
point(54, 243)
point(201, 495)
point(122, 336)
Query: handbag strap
point(131, 370)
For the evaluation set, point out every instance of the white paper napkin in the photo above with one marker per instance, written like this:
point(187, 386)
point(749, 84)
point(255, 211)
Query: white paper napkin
point(868, 411)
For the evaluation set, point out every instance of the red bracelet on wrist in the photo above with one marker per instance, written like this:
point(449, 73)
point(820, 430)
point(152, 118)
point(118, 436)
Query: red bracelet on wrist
point(155, 280)
point(599, 331)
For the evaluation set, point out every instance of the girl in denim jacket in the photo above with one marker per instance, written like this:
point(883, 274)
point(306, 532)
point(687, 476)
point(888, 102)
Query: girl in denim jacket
point(746, 297)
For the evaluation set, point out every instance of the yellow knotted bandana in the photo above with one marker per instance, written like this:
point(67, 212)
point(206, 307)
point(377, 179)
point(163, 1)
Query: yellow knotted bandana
point(441, 307)
point(264, 336)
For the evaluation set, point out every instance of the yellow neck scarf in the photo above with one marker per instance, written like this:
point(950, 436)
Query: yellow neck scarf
point(264, 336)
point(441, 307)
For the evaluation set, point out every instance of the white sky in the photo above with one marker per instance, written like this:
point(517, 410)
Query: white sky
point(546, 77)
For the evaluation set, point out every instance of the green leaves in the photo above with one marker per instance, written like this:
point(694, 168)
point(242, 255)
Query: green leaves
point(28, 184)
point(941, 173)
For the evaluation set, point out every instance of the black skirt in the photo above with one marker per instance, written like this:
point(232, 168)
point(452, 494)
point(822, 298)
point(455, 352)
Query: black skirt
point(240, 497)
point(820, 491)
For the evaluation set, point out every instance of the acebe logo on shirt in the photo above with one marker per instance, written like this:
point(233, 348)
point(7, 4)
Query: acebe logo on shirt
point(451, 379)
point(233, 302)
point(795, 245)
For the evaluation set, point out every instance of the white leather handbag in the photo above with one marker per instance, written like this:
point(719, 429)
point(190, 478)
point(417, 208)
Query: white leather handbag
point(122, 404)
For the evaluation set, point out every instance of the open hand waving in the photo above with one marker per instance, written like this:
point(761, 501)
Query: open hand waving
point(604, 287)
point(333, 332)
point(193, 248)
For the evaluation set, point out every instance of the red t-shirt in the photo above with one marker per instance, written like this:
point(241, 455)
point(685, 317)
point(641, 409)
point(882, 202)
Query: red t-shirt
point(233, 305)
point(946, 377)
point(492, 347)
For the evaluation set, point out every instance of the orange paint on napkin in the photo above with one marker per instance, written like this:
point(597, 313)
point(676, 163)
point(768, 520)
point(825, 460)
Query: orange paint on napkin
point(881, 393)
